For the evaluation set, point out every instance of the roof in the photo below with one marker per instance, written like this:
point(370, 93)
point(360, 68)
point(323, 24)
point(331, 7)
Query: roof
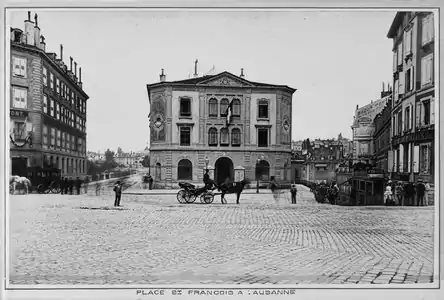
point(395, 24)
point(208, 78)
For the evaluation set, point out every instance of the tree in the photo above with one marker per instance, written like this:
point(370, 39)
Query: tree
point(146, 161)
point(109, 156)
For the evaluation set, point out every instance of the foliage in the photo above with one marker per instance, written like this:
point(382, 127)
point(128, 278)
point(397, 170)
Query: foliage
point(146, 161)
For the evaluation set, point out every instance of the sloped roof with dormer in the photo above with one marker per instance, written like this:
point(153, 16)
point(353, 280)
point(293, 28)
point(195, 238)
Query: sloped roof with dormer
point(224, 79)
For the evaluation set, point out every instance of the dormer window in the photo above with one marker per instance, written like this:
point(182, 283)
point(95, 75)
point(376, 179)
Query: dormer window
point(185, 107)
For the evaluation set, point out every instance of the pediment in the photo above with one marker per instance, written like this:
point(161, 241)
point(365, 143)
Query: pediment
point(226, 79)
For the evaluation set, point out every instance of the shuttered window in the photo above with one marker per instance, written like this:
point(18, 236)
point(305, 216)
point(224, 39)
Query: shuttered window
point(426, 69)
point(416, 159)
point(20, 97)
point(19, 66)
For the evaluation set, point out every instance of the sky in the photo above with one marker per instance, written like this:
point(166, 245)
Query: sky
point(335, 59)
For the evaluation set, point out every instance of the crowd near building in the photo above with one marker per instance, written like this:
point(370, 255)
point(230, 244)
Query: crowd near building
point(47, 106)
point(234, 127)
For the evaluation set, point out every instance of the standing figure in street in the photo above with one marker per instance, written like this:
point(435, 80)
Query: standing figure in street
point(118, 191)
point(208, 181)
point(98, 188)
point(71, 185)
point(150, 182)
point(65, 185)
point(388, 195)
point(409, 193)
point(274, 191)
point(78, 183)
point(426, 193)
point(62, 186)
point(353, 196)
point(420, 192)
point(293, 191)
point(85, 184)
point(400, 194)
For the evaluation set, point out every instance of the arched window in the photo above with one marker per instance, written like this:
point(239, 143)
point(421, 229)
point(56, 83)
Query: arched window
point(212, 137)
point(158, 172)
point(235, 137)
point(236, 108)
point(224, 137)
point(212, 105)
point(185, 170)
point(223, 107)
point(263, 170)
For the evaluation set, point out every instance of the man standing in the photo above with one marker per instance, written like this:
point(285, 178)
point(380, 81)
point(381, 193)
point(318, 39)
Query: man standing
point(71, 185)
point(118, 190)
point(409, 192)
point(293, 190)
point(426, 193)
point(420, 191)
point(78, 185)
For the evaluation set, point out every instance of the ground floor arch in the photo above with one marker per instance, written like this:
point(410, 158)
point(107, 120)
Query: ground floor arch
point(223, 168)
point(263, 170)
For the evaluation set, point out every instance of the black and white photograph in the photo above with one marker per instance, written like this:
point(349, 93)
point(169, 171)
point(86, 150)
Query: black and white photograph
point(221, 151)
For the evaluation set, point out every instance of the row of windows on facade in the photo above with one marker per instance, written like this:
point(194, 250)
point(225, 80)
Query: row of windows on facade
point(67, 165)
point(62, 140)
point(404, 48)
point(63, 114)
point(185, 136)
point(19, 70)
point(185, 108)
point(425, 116)
point(421, 162)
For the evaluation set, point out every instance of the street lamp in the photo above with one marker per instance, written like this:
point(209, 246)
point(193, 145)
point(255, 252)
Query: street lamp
point(207, 161)
point(258, 175)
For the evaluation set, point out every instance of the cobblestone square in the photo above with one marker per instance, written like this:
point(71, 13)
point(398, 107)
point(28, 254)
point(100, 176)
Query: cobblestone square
point(152, 239)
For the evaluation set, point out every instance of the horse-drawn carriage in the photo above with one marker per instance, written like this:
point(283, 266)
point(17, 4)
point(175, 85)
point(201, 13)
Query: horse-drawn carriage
point(189, 193)
point(45, 180)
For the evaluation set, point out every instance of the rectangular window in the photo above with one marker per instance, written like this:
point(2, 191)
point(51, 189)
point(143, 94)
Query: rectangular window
point(400, 55)
point(395, 61)
point(224, 138)
point(20, 97)
point(53, 136)
point(71, 101)
point(51, 81)
point(427, 29)
point(185, 136)
point(73, 144)
point(62, 140)
point(67, 141)
point(408, 42)
point(68, 93)
point(409, 80)
point(425, 111)
point(45, 76)
point(235, 137)
point(19, 130)
point(45, 104)
point(45, 135)
point(73, 120)
point(424, 163)
point(59, 138)
point(407, 118)
point(185, 107)
point(262, 137)
point(427, 69)
point(263, 110)
point(19, 66)
point(58, 86)
point(58, 111)
point(51, 108)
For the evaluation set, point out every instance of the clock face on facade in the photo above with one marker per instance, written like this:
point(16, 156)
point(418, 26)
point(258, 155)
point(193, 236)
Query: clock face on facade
point(225, 81)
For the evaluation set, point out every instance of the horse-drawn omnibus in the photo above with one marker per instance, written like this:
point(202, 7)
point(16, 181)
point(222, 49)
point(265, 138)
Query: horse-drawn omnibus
point(45, 180)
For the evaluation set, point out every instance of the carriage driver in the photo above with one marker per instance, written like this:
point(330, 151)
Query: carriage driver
point(207, 180)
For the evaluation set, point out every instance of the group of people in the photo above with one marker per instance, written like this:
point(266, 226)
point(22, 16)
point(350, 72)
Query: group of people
point(407, 193)
point(324, 192)
point(68, 184)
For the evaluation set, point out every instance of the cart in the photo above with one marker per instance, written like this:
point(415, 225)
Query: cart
point(45, 180)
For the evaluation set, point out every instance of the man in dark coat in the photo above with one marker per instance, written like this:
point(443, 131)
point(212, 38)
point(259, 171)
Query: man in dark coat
point(70, 185)
point(293, 191)
point(150, 182)
point(118, 190)
point(420, 192)
point(65, 185)
point(207, 180)
point(78, 184)
point(409, 192)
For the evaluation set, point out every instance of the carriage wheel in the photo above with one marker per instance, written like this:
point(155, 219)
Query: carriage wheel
point(181, 196)
point(207, 198)
point(40, 189)
point(191, 198)
point(54, 188)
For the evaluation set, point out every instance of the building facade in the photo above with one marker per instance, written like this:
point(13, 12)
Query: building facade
point(381, 138)
point(363, 129)
point(47, 107)
point(413, 106)
point(191, 131)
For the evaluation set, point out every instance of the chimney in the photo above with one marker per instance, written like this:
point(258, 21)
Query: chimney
point(61, 52)
point(195, 68)
point(70, 64)
point(242, 73)
point(29, 31)
point(36, 32)
point(75, 71)
point(42, 43)
point(80, 77)
point(162, 77)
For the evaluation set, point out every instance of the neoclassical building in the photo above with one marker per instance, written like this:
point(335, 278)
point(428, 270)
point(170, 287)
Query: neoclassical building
point(190, 130)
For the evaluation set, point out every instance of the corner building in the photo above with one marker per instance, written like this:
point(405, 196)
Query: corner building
point(47, 106)
point(188, 130)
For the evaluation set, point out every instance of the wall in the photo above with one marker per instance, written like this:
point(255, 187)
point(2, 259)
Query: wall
point(272, 117)
point(175, 105)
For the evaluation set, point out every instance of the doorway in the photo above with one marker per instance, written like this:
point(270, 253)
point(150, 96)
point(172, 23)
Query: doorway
point(222, 169)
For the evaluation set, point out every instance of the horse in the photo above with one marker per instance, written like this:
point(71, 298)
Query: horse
point(232, 188)
point(23, 182)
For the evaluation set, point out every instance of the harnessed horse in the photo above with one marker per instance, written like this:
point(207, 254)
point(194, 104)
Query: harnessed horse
point(23, 182)
point(232, 188)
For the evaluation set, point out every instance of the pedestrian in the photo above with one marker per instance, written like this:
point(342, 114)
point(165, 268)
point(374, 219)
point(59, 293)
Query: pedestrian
point(293, 191)
point(353, 196)
point(85, 184)
point(426, 193)
point(420, 192)
point(388, 196)
point(71, 185)
point(409, 193)
point(62, 186)
point(150, 182)
point(78, 184)
point(65, 185)
point(98, 188)
point(118, 191)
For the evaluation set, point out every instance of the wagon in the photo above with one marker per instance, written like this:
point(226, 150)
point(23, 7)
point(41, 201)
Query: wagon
point(45, 180)
point(189, 193)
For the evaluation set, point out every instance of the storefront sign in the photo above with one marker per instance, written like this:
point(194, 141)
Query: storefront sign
point(18, 113)
point(419, 136)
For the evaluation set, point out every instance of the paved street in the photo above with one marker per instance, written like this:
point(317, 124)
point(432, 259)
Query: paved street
point(153, 239)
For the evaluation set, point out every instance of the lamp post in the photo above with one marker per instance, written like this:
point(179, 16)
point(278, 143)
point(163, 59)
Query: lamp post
point(258, 175)
point(207, 161)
